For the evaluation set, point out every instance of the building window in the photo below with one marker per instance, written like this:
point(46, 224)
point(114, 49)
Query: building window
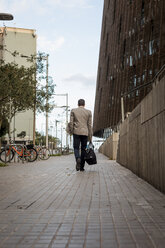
point(130, 61)
point(151, 43)
point(134, 80)
point(112, 100)
point(139, 80)
point(137, 92)
point(150, 72)
point(139, 55)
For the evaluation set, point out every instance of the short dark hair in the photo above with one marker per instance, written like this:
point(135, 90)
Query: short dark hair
point(81, 102)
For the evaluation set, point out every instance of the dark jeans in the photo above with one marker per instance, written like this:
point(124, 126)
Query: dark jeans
point(77, 140)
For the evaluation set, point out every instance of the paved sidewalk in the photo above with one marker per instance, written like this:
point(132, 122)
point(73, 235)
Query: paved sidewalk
point(49, 204)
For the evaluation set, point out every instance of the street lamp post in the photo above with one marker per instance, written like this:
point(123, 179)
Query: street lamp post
point(66, 118)
point(56, 121)
point(47, 100)
point(66, 95)
point(61, 137)
point(52, 143)
point(34, 121)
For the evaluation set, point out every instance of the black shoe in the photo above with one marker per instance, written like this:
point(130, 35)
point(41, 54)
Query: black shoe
point(82, 169)
point(78, 164)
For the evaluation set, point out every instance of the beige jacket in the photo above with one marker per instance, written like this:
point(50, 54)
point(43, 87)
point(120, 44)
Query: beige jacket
point(81, 121)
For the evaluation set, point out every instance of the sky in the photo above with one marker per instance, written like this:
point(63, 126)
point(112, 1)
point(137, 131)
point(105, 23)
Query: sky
point(69, 31)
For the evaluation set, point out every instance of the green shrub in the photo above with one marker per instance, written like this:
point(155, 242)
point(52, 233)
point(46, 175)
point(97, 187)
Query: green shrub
point(3, 164)
point(55, 155)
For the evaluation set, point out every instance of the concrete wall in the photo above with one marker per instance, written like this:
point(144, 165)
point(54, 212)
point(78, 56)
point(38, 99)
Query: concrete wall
point(23, 41)
point(109, 147)
point(142, 138)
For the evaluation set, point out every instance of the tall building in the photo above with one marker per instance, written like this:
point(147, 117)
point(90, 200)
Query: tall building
point(23, 41)
point(132, 51)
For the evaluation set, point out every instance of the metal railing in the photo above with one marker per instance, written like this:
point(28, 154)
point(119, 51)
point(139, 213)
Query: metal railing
point(156, 78)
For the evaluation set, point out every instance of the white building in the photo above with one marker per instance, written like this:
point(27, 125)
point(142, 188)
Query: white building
point(23, 41)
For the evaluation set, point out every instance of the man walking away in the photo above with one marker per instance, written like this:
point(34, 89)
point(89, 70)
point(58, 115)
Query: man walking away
point(81, 126)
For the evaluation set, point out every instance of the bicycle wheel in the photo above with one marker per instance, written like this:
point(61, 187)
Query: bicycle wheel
point(31, 154)
point(6, 155)
point(44, 154)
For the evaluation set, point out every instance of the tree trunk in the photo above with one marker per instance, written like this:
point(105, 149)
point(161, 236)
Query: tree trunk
point(0, 137)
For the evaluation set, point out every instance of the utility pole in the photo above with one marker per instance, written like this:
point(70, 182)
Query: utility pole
point(34, 114)
point(34, 120)
point(66, 95)
point(56, 126)
point(66, 118)
point(10, 121)
point(47, 100)
point(61, 137)
point(34, 124)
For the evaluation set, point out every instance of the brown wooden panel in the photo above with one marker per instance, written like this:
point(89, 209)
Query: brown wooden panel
point(132, 51)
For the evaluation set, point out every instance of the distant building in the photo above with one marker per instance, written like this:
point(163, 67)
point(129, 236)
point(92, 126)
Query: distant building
point(132, 51)
point(23, 41)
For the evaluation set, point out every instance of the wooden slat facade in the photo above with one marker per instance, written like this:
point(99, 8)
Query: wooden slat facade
point(132, 51)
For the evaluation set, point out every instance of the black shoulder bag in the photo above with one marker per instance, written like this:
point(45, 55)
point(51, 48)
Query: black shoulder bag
point(90, 156)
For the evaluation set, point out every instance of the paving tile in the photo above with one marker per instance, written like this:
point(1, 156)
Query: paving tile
point(76, 245)
point(52, 205)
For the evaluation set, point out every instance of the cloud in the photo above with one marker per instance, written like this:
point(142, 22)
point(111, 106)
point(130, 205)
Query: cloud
point(70, 3)
point(17, 7)
point(80, 79)
point(48, 45)
point(3, 6)
point(39, 6)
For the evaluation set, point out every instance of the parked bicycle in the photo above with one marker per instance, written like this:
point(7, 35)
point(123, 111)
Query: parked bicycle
point(43, 152)
point(27, 152)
